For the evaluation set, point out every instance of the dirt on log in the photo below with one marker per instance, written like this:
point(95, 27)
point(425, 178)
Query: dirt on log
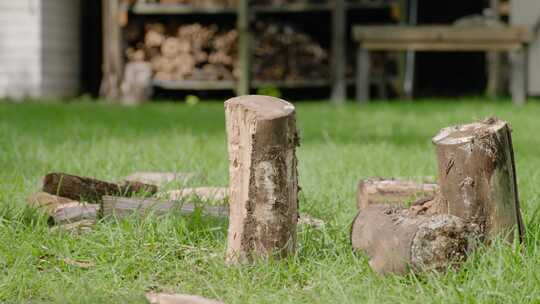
point(477, 176)
point(262, 140)
point(397, 240)
point(396, 192)
point(89, 189)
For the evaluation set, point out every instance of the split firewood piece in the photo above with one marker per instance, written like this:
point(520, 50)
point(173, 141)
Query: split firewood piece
point(74, 212)
point(62, 210)
point(47, 202)
point(393, 191)
point(124, 206)
point(262, 140)
point(159, 179)
point(89, 189)
point(163, 298)
point(215, 194)
point(397, 240)
point(477, 176)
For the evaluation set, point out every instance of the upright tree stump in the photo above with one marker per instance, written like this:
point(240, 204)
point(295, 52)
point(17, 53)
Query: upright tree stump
point(477, 176)
point(262, 140)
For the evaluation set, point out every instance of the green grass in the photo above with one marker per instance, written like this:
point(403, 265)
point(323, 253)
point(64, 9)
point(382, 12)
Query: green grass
point(186, 254)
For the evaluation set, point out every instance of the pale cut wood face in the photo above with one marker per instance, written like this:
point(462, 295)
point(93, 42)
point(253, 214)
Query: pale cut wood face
point(264, 107)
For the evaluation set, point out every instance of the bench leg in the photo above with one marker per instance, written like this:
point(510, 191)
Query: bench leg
point(518, 80)
point(362, 75)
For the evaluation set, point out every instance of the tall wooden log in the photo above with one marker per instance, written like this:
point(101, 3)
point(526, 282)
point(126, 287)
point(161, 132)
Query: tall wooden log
point(89, 189)
point(395, 192)
point(477, 176)
point(262, 140)
point(397, 240)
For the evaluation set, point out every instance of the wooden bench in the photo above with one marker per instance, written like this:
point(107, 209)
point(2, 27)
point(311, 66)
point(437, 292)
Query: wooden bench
point(437, 38)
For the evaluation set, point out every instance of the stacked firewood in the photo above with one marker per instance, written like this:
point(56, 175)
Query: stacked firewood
point(197, 3)
point(229, 3)
point(187, 52)
point(282, 52)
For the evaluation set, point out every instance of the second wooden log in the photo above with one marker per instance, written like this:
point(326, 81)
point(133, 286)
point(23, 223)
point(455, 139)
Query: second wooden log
point(477, 176)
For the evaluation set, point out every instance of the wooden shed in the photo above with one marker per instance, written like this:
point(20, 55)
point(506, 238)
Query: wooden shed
point(39, 48)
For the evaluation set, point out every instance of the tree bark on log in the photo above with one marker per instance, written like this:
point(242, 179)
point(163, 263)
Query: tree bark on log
point(397, 239)
point(395, 192)
point(477, 177)
point(89, 189)
point(263, 189)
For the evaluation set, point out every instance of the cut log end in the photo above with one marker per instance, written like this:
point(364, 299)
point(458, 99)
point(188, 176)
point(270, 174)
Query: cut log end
point(468, 132)
point(263, 107)
point(442, 241)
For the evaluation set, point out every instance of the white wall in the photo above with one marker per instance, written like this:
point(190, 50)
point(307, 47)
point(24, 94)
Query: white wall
point(527, 13)
point(39, 48)
point(20, 45)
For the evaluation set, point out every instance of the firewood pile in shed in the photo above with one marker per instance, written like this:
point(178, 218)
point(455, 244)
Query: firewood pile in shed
point(197, 3)
point(228, 3)
point(187, 52)
point(282, 52)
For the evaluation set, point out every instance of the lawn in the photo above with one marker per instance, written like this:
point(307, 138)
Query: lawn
point(186, 254)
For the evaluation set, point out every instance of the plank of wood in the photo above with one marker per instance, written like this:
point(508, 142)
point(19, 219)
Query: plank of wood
point(141, 8)
point(441, 33)
point(123, 206)
point(201, 193)
point(449, 46)
point(158, 178)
